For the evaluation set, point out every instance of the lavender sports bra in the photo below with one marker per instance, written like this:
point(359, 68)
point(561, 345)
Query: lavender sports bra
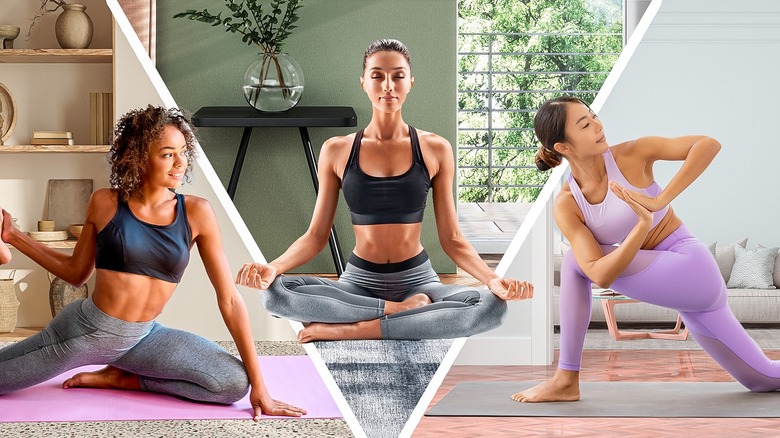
point(611, 220)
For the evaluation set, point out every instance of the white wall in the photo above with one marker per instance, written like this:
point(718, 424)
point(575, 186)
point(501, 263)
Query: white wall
point(710, 67)
point(193, 306)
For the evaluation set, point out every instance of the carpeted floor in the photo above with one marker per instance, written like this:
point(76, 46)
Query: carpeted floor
point(383, 380)
point(598, 339)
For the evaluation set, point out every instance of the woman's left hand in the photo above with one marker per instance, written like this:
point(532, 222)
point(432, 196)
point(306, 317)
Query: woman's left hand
point(511, 289)
point(268, 406)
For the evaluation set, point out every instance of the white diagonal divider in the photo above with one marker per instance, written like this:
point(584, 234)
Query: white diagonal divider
point(526, 337)
point(130, 59)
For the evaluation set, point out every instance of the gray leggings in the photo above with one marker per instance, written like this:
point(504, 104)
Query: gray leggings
point(167, 361)
point(360, 295)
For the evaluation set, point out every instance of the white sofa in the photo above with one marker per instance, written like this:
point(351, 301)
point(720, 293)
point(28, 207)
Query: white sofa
point(750, 305)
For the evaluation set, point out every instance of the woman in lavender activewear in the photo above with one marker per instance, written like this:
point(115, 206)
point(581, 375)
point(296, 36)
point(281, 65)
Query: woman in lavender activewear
point(656, 260)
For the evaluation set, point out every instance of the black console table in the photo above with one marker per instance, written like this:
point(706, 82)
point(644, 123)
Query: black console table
point(301, 117)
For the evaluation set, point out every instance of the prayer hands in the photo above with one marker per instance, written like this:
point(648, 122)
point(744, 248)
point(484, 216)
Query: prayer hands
point(633, 198)
point(511, 289)
point(256, 275)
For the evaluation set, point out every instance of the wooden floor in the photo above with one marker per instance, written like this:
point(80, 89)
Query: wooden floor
point(602, 365)
point(483, 220)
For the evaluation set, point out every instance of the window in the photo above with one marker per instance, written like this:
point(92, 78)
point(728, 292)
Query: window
point(512, 56)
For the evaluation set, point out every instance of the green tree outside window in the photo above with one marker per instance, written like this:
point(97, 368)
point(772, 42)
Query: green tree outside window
point(515, 54)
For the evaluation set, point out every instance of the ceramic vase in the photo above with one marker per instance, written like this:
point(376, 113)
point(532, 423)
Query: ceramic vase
point(73, 27)
point(62, 293)
point(274, 82)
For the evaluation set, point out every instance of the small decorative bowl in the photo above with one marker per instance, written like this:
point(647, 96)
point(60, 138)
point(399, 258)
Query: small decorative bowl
point(75, 229)
point(45, 225)
point(7, 35)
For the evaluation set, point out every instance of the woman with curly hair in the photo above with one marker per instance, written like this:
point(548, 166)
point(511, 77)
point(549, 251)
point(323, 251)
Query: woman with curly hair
point(137, 238)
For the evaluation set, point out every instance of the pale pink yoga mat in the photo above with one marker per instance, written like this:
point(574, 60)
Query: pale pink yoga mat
point(292, 379)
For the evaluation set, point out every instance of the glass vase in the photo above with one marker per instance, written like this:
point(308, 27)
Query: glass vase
point(274, 82)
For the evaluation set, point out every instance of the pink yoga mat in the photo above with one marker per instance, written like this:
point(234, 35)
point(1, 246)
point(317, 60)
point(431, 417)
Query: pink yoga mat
point(292, 379)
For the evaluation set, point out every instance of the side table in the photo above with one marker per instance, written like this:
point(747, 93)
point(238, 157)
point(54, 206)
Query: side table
point(301, 117)
point(609, 299)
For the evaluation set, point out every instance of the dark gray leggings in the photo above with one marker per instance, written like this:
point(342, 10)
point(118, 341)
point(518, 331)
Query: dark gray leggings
point(166, 360)
point(360, 294)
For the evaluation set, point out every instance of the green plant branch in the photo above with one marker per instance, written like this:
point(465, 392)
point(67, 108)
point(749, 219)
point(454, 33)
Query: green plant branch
point(263, 29)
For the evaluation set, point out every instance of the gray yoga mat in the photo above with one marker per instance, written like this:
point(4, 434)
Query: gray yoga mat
point(613, 399)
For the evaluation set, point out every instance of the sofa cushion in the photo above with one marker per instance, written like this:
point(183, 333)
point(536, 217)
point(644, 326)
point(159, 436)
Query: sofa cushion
point(724, 255)
point(776, 274)
point(753, 268)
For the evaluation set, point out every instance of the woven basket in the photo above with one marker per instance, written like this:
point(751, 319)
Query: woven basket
point(9, 305)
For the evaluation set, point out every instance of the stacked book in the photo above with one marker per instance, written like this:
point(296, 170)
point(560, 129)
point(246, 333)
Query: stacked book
point(101, 118)
point(52, 137)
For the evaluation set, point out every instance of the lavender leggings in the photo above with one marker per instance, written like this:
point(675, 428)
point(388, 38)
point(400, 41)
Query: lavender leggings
point(680, 273)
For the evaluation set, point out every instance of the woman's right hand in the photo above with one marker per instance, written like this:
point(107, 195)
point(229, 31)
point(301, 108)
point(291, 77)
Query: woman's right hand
point(256, 275)
point(625, 195)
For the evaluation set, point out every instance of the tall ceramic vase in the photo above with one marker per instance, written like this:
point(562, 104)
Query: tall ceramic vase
point(274, 82)
point(9, 305)
point(73, 27)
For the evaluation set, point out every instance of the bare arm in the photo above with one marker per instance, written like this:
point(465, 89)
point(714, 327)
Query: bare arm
point(450, 237)
point(602, 269)
point(697, 152)
point(77, 267)
point(316, 236)
point(231, 305)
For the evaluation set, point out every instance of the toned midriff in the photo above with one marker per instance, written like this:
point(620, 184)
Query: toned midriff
point(387, 243)
point(667, 226)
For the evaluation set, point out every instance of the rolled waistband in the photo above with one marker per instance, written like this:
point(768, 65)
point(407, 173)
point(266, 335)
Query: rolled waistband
point(108, 323)
point(387, 268)
point(681, 233)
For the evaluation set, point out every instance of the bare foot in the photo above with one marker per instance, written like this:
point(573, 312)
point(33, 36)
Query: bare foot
point(318, 331)
point(412, 302)
point(107, 378)
point(5, 253)
point(559, 388)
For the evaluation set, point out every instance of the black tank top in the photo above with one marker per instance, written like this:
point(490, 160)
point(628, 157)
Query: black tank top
point(130, 245)
point(398, 199)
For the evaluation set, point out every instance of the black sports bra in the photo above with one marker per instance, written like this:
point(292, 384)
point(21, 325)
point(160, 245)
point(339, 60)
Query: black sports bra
point(398, 199)
point(130, 245)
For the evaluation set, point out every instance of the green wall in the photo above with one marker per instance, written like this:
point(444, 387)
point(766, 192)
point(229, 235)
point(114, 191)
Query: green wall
point(204, 66)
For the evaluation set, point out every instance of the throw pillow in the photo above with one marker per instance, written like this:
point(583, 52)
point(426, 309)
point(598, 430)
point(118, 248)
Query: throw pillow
point(776, 275)
point(724, 255)
point(753, 268)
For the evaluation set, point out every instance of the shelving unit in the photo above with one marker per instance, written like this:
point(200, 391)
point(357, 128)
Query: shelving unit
point(44, 103)
point(90, 56)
